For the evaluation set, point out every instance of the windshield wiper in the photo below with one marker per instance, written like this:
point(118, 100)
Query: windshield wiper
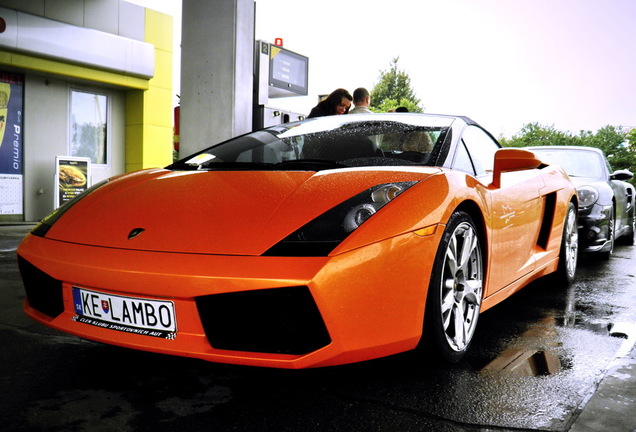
point(237, 166)
point(311, 164)
point(296, 164)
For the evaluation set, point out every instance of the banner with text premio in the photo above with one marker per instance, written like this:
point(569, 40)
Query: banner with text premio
point(11, 151)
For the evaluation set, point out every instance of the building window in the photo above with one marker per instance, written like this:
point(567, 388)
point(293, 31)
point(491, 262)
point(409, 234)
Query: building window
point(89, 126)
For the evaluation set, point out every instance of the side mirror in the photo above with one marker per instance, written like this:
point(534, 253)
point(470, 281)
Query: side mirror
point(512, 159)
point(623, 175)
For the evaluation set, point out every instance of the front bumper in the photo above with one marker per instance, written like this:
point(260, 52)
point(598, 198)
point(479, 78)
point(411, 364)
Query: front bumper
point(594, 229)
point(262, 311)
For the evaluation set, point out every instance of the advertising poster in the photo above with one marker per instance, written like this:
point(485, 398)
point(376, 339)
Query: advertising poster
point(72, 175)
point(11, 154)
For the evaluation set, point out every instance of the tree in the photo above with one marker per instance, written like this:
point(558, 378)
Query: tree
point(534, 134)
point(618, 146)
point(394, 90)
point(612, 140)
point(631, 139)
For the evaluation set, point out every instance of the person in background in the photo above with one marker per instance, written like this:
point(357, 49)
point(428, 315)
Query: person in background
point(338, 102)
point(362, 100)
point(401, 109)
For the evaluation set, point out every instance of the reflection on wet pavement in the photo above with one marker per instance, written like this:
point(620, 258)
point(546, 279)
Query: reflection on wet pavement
point(531, 362)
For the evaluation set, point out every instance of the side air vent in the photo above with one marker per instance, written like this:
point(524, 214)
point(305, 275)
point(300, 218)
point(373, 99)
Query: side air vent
point(547, 221)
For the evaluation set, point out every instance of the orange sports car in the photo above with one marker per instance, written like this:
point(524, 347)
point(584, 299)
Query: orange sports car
point(327, 241)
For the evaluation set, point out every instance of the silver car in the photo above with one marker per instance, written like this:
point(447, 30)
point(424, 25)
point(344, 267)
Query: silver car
point(606, 200)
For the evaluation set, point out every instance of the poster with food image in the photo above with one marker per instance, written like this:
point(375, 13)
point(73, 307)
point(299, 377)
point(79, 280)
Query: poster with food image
point(72, 176)
point(5, 96)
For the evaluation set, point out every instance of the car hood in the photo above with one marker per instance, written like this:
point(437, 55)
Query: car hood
point(583, 181)
point(599, 184)
point(213, 212)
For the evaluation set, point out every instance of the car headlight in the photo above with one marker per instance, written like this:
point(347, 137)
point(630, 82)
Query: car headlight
point(588, 195)
point(380, 196)
point(45, 224)
point(320, 236)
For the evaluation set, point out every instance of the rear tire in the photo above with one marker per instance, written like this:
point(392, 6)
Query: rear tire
point(456, 288)
point(628, 238)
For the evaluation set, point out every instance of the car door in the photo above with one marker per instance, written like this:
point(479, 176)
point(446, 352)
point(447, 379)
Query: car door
point(515, 216)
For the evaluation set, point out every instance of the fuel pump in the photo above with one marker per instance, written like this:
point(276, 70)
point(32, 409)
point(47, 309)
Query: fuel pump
point(278, 73)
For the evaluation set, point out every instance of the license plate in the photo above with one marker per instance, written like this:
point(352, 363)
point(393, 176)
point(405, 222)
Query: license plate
point(128, 314)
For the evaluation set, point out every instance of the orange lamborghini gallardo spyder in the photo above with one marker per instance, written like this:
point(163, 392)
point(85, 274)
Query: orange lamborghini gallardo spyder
point(327, 241)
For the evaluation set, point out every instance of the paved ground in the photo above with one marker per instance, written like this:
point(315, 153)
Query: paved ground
point(614, 400)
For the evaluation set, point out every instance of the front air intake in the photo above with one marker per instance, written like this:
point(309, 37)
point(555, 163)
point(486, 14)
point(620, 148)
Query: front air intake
point(277, 320)
point(43, 292)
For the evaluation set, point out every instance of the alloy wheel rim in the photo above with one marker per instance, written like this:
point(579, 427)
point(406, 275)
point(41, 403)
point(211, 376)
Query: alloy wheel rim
point(462, 285)
point(571, 243)
point(610, 231)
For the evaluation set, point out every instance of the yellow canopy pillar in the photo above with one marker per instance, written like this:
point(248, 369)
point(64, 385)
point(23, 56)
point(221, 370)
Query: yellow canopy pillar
point(149, 132)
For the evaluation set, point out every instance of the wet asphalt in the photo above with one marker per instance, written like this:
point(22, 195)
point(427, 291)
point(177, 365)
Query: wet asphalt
point(551, 358)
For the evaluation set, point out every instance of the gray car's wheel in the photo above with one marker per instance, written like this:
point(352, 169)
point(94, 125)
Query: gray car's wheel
point(455, 290)
point(611, 235)
point(629, 239)
point(569, 251)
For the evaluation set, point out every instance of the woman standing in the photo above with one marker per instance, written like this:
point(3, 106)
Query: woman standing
point(338, 102)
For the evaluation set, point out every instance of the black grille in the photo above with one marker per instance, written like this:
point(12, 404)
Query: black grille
point(43, 292)
point(277, 320)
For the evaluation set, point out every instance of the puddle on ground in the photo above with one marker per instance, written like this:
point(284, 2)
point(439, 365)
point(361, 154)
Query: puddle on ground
point(540, 354)
point(537, 357)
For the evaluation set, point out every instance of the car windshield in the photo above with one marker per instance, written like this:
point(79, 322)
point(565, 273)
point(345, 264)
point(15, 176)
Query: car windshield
point(330, 142)
point(577, 163)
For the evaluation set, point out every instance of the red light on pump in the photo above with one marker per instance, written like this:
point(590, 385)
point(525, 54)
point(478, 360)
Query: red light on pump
point(278, 41)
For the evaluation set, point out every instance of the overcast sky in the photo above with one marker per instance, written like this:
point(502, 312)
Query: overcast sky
point(570, 64)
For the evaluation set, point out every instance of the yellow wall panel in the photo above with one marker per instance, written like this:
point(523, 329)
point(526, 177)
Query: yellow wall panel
point(163, 62)
point(134, 135)
point(134, 107)
point(159, 30)
point(158, 151)
point(158, 109)
point(149, 132)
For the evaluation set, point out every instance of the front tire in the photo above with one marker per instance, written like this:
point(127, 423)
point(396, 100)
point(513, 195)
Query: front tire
point(456, 288)
point(611, 236)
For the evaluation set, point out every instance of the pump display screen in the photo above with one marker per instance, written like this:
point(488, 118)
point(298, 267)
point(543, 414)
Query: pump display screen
point(288, 70)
